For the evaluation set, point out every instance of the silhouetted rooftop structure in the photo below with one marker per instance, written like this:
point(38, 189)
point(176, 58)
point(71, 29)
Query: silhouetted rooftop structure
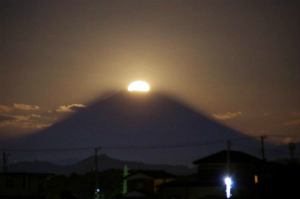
point(155, 174)
point(235, 157)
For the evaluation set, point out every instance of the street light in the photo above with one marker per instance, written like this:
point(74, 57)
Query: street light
point(228, 183)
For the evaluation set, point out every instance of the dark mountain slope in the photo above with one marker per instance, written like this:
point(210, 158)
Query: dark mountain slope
point(137, 119)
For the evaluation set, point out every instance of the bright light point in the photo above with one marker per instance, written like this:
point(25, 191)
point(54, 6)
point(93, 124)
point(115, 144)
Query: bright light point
point(228, 183)
point(139, 86)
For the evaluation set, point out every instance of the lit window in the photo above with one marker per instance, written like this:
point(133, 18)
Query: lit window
point(255, 179)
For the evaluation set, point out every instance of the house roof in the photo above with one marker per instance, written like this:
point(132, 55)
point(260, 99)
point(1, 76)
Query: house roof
point(155, 174)
point(234, 156)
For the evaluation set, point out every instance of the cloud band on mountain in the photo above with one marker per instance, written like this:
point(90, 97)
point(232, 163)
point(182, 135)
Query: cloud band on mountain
point(22, 121)
point(26, 107)
point(6, 118)
point(227, 115)
point(71, 108)
point(296, 122)
point(5, 108)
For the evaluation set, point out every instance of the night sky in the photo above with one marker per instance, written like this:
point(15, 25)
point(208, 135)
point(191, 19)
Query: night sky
point(236, 61)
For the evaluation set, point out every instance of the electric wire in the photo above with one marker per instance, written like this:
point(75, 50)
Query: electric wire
point(233, 141)
point(178, 145)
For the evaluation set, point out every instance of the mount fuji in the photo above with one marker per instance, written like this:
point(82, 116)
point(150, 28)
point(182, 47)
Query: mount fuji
point(149, 127)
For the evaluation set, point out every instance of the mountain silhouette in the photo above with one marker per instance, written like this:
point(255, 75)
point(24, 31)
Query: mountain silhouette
point(138, 126)
point(88, 165)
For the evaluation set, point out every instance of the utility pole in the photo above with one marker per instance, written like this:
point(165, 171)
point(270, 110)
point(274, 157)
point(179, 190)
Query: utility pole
point(96, 160)
point(97, 191)
point(263, 147)
point(4, 162)
point(228, 157)
point(96, 167)
point(292, 147)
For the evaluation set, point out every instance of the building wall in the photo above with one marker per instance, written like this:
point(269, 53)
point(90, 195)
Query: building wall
point(140, 184)
point(158, 182)
point(146, 184)
point(212, 172)
point(242, 174)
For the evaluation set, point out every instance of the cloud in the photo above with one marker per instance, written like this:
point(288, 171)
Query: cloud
point(19, 121)
point(264, 131)
point(6, 118)
point(5, 108)
point(35, 115)
point(26, 107)
point(287, 140)
point(227, 115)
point(295, 122)
point(12, 120)
point(29, 125)
point(40, 126)
point(266, 114)
point(70, 108)
point(297, 114)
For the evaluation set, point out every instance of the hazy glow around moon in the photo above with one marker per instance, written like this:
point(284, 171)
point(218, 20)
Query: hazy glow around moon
point(139, 86)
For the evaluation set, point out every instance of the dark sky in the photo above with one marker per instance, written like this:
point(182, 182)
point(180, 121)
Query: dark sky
point(236, 61)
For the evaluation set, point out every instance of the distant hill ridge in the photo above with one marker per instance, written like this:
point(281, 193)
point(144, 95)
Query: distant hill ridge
point(88, 164)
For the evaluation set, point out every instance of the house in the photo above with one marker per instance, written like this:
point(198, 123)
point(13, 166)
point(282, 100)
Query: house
point(243, 169)
point(23, 185)
point(144, 183)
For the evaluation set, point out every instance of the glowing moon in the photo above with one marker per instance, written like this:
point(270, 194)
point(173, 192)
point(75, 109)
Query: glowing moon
point(139, 86)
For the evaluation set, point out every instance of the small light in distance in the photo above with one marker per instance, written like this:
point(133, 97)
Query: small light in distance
point(139, 86)
point(228, 183)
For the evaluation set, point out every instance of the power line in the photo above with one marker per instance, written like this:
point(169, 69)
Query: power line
point(275, 150)
point(49, 150)
point(176, 145)
point(285, 136)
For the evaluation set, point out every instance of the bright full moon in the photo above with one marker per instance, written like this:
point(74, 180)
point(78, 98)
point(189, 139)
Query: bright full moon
point(139, 86)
